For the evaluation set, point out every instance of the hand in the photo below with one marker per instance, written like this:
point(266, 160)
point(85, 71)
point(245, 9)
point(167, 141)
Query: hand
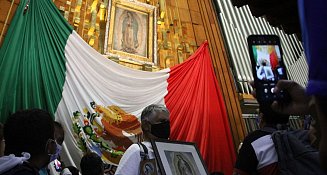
point(299, 104)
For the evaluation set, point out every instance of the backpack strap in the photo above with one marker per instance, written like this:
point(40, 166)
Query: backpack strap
point(143, 151)
point(283, 149)
point(278, 127)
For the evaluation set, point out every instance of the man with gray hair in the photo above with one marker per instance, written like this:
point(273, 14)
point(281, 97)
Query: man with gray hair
point(138, 157)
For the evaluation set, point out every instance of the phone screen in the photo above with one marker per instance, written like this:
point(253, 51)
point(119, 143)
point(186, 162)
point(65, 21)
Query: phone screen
point(267, 66)
point(268, 63)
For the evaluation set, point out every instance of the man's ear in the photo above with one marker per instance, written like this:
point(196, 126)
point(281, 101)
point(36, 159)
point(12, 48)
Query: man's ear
point(146, 126)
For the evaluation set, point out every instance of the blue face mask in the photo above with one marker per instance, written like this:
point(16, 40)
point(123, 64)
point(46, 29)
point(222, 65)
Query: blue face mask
point(56, 154)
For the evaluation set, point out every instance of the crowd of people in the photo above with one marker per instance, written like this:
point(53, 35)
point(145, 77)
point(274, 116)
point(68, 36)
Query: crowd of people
point(33, 143)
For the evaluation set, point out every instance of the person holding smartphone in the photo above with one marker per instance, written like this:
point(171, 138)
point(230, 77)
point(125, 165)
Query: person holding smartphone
point(313, 24)
point(257, 154)
point(298, 102)
point(313, 99)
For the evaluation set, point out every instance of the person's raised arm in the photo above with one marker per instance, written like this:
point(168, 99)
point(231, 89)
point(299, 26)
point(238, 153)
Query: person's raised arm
point(299, 103)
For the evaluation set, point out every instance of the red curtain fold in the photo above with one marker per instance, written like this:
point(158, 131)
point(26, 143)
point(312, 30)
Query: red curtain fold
point(198, 113)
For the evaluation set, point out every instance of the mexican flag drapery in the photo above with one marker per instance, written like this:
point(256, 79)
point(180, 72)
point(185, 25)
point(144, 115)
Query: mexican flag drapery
point(45, 64)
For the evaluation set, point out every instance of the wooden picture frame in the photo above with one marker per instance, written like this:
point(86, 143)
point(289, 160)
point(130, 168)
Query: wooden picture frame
point(175, 156)
point(131, 31)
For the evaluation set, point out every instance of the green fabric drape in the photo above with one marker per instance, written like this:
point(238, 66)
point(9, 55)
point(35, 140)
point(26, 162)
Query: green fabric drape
point(32, 59)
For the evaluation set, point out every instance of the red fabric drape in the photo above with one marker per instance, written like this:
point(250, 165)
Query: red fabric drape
point(198, 112)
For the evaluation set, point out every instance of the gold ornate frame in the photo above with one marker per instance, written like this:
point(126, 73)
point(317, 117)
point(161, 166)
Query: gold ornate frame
point(140, 9)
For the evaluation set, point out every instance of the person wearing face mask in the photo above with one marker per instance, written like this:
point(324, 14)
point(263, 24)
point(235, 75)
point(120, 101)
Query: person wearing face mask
point(155, 124)
point(30, 143)
point(55, 166)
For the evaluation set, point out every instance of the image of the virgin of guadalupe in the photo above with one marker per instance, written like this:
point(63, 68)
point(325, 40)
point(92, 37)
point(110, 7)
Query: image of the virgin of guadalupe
point(130, 27)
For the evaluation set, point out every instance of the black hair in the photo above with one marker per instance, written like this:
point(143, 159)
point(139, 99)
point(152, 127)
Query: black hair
point(57, 125)
point(149, 110)
point(271, 117)
point(321, 101)
point(28, 131)
point(91, 164)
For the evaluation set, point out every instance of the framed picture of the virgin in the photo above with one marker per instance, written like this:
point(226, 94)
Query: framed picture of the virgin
point(176, 157)
point(132, 30)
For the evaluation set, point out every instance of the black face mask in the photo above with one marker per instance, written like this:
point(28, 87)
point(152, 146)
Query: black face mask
point(161, 130)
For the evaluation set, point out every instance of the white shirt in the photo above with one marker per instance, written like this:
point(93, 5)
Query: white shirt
point(130, 162)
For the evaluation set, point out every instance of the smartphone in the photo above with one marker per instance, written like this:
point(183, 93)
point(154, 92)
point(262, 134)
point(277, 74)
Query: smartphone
point(267, 67)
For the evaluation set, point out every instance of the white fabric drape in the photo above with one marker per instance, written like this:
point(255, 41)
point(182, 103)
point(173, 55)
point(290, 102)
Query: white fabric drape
point(92, 77)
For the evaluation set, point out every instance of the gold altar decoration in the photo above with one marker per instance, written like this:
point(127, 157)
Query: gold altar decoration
point(176, 36)
point(177, 30)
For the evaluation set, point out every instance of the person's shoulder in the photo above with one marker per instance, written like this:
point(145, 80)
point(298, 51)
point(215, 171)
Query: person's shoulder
point(133, 149)
point(134, 146)
point(22, 170)
point(130, 161)
point(253, 136)
point(26, 173)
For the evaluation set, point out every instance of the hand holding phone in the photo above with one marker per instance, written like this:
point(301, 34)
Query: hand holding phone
point(300, 100)
point(267, 67)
